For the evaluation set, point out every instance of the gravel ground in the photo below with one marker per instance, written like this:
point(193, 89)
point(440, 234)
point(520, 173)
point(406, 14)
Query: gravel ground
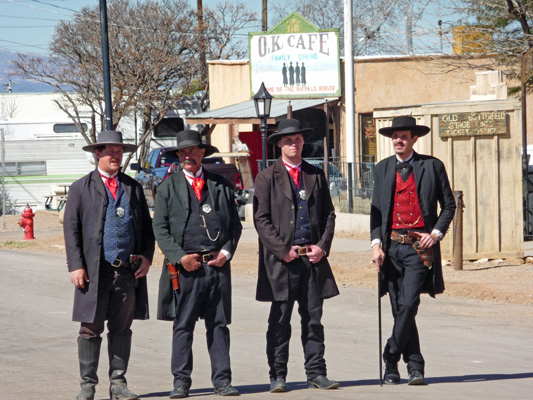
point(508, 281)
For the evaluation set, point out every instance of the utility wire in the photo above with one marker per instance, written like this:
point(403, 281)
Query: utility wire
point(38, 8)
point(18, 17)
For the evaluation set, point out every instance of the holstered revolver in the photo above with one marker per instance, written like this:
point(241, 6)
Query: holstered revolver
point(426, 255)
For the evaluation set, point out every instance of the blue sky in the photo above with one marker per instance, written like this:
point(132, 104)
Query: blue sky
point(27, 26)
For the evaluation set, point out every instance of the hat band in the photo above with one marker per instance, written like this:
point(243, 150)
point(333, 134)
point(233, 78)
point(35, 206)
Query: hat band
point(188, 143)
point(291, 129)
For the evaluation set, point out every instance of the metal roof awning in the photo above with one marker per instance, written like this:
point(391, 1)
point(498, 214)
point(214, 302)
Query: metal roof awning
point(244, 113)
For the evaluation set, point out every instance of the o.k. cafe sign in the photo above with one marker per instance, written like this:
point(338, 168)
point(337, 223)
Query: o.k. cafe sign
point(473, 124)
point(295, 59)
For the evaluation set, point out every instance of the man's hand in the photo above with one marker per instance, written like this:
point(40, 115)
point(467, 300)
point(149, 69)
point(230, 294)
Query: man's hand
point(378, 256)
point(144, 268)
point(218, 259)
point(78, 277)
point(190, 262)
point(315, 253)
point(427, 240)
point(291, 255)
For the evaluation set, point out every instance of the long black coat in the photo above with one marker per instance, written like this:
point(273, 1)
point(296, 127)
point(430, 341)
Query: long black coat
point(83, 226)
point(433, 189)
point(274, 219)
point(171, 214)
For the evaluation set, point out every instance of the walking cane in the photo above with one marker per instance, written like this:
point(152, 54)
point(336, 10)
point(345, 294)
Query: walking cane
point(379, 323)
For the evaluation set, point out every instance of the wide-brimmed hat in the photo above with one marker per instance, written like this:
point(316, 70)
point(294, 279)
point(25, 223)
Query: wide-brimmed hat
point(110, 137)
point(405, 123)
point(189, 138)
point(287, 127)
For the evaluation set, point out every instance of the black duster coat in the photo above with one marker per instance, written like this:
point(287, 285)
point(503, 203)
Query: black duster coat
point(433, 190)
point(274, 219)
point(83, 226)
point(170, 219)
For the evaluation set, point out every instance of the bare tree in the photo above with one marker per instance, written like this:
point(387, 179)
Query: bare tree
point(8, 107)
point(379, 26)
point(504, 29)
point(225, 36)
point(154, 50)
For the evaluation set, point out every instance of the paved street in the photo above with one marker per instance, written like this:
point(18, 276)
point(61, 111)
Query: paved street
point(473, 349)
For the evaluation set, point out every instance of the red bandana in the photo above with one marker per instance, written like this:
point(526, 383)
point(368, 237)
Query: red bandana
point(197, 186)
point(294, 172)
point(111, 184)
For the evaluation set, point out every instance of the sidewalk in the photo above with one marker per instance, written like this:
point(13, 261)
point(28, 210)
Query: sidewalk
point(473, 349)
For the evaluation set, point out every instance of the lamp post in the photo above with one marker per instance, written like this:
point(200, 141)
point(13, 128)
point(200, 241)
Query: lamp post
point(263, 101)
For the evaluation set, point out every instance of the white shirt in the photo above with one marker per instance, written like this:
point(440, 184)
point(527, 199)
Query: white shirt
point(105, 175)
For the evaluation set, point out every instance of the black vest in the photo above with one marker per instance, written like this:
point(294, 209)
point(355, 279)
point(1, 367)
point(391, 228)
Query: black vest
point(302, 227)
point(202, 231)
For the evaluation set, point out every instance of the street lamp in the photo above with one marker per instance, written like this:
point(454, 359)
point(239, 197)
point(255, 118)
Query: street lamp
point(263, 101)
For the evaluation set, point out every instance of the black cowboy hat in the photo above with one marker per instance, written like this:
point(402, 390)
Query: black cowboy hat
point(110, 137)
point(288, 127)
point(189, 138)
point(405, 123)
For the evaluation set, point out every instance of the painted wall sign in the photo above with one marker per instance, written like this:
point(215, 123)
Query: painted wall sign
point(295, 59)
point(473, 124)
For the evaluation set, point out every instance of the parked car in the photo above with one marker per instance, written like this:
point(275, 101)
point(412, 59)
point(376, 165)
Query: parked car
point(160, 166)
point(337, 182)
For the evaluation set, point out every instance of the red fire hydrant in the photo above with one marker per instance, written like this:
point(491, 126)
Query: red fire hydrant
point(26, 222)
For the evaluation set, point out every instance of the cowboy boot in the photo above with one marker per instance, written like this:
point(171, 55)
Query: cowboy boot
point(88, 355)
point(119, 347)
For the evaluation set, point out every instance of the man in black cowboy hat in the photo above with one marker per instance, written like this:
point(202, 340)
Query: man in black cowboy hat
point(197, 228)
point(295, 220)
point(408, 187)
point(109, 244)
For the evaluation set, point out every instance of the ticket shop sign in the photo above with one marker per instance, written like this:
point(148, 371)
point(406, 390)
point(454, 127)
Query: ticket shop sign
point(295, 59)
point(473, 124)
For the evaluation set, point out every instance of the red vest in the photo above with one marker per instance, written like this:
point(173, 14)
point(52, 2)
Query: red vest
point(406, 213)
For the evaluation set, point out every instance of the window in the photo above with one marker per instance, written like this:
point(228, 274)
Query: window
point(25, 168)
point(368, 138)
point(68, 128)
point(168, 127)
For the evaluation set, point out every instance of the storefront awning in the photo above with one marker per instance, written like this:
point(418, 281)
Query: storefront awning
point(244, 113)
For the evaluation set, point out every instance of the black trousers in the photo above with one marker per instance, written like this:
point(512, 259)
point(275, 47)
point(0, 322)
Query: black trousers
point(304, 290)
point(199, 296)
point(115, 303)
point(406, 278)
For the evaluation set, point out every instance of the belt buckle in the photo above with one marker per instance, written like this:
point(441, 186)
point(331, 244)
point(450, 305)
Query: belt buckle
point(302, 250)
point(403, 239)
point(117, 265)
point(206, 257)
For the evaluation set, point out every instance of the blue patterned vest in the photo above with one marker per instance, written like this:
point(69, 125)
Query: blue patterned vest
point(302, 227)
point(119, 240)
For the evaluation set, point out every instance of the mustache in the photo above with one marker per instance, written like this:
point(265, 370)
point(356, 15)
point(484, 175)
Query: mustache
point(191, 161)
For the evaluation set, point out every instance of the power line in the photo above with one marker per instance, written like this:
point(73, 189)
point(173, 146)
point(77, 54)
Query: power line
point(18, 17)
point(38, 8)
point(26, 26)
point(53, 5)
point(26, 45)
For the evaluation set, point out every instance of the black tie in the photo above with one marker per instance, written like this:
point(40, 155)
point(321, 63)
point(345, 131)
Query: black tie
point(404, 169)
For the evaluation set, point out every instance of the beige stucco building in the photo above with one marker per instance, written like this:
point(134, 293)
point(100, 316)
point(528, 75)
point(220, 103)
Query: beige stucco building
point(486, 168)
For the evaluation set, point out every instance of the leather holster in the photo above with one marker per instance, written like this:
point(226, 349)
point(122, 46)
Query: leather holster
point(426, 255)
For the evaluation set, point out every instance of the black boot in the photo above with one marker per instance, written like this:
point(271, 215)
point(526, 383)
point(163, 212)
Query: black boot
point(88, 355)
point(119, 347)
